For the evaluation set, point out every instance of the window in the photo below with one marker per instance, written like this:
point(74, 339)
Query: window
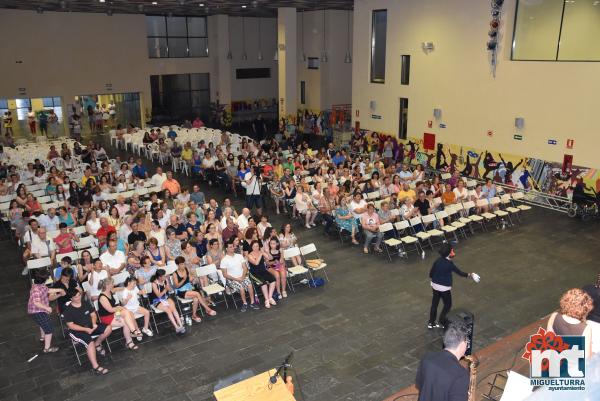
point(23, 106)
point(172, 37)
point(403, 120)
point(180, 96)
point(3, 106)
point(53, 103)
point(302, 92)
point(378, 37)
point(405, 70)
point(557, 30)
point(252, 73)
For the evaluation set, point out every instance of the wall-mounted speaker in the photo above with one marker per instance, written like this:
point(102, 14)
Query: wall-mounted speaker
point(372, 104)
point(519, 122)
point(437, 113)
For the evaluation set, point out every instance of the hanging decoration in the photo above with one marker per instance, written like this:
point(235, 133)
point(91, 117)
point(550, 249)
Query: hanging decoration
point(492, 44)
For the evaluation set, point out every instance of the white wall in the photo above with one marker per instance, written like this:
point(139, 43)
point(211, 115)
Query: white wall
point(558, 100)
point(246, 89)
point(331, 83)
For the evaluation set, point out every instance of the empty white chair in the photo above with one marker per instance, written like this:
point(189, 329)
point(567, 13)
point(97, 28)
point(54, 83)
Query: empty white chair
point(313, 264)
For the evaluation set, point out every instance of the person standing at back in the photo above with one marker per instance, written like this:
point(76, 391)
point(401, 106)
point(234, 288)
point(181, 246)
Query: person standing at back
point(440, 376)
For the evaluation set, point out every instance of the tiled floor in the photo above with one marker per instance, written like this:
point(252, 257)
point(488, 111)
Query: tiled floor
point(357, 338)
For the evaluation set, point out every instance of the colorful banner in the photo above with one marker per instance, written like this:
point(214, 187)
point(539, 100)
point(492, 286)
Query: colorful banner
point(514, 170)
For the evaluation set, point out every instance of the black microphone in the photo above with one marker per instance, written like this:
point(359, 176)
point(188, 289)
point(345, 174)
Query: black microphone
point(285, 364)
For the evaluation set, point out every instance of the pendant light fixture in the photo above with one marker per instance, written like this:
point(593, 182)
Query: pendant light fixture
point(302, 34)
point(229, 54)
point(348, 58)
point(244, 55)
point(324, 52)
point(260, 55)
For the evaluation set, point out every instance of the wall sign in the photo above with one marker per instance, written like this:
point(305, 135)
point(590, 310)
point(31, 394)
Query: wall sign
point(442, 125)
point(567, 163)
point(518, 137)
point(375, 117)
point(551, 141)
point(428, 141)
point(570, 143)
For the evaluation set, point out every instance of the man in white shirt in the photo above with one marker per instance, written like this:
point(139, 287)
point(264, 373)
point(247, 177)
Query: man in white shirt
point(358, 205)
point(158, 178)
point(405, 175)
point(387, 189)
point(370, 224)
point(242, 220)
point(235, 270)
point(43, 247)
point(29, 239)
point(50, 220)
point(113, 258)
point(28, 174)
point(253, 185)
point(125, 228)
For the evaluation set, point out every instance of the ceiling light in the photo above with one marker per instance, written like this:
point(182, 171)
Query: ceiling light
point(201, 4)
point(155, 3)
point(102, 1)
point(244, 6)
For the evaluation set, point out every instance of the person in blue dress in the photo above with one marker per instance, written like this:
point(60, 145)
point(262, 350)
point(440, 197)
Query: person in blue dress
point(345, 220)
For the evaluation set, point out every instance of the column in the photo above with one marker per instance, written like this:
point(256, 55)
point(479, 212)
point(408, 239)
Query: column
point(288, 75)
point(223, 64)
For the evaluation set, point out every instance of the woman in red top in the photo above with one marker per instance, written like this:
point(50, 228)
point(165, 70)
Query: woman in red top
point(39, 308)
point(32, 205)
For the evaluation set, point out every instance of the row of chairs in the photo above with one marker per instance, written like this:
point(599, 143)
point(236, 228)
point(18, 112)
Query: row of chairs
point(215, 288)
point(425, 231)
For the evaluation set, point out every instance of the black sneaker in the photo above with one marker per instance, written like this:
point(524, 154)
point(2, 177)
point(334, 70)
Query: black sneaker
point(439, 326)
point(431, 325)
point(244, 308)
point(254, 306)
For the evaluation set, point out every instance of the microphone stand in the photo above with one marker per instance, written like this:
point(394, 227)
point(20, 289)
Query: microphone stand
point(286, 364)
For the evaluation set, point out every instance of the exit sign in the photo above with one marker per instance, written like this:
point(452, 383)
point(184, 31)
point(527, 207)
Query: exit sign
point(518, 137)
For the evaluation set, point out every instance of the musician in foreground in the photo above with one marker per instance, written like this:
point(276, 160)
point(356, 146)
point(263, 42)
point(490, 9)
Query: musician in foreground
point(441, 377)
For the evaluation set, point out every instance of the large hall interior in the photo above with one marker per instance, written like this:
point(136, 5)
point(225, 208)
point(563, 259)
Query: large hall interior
point(333, 200)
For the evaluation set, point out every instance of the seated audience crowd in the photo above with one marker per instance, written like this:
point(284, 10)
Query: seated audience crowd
point(125, 243)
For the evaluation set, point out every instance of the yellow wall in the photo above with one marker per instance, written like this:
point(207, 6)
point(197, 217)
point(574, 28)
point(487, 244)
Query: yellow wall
point(558, 100)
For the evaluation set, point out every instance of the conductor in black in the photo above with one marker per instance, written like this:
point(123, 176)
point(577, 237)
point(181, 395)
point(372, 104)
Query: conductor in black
point(441, 285)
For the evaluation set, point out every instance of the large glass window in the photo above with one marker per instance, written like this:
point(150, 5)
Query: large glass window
point(378, 38)
point(53, 103)
point(178, 97)
point(177, 36)
point(557, 30)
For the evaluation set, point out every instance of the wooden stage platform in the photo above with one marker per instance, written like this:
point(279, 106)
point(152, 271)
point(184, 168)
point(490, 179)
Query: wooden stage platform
point(501, 355)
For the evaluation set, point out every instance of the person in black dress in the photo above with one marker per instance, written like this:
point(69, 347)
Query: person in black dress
point(259, 273)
